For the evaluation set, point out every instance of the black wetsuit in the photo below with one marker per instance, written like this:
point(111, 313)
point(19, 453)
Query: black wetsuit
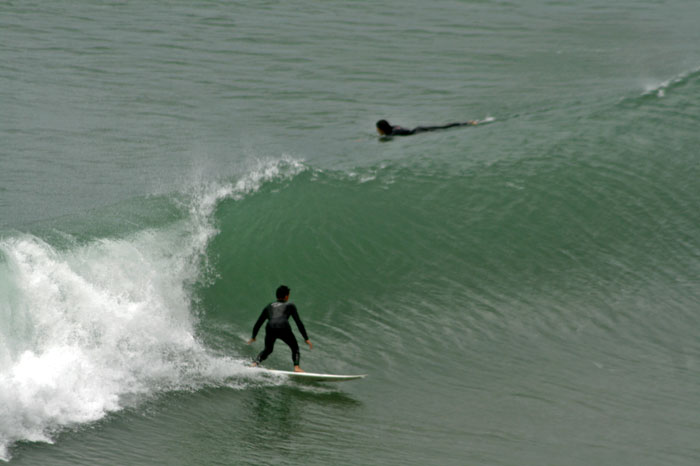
point(277, 314)
point(400, 131)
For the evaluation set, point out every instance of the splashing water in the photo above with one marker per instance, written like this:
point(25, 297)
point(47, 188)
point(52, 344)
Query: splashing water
point(86, 328)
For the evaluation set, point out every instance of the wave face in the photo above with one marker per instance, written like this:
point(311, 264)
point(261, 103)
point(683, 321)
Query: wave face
point(578, 254)
point(562, 269)
point(522, 292)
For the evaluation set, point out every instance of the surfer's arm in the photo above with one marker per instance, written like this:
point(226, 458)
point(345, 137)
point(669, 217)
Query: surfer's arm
point(263, 316)
point(295, 315)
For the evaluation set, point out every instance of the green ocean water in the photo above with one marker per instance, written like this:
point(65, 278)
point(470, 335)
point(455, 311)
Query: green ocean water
point(522, 292)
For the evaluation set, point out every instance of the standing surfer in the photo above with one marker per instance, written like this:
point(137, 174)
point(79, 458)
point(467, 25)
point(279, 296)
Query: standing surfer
point(277, 314)
point(385, 129)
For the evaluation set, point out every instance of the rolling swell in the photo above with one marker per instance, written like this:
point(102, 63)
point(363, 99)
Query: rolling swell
point(505, 248)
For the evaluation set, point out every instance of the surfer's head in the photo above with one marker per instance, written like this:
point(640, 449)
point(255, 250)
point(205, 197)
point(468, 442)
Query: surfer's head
point(383, 127)
point(282, 293)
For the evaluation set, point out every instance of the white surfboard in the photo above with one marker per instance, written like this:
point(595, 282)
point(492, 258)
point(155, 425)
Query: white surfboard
point(314, 377)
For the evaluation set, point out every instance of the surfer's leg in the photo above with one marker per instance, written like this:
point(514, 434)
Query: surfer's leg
point(270, 338)
point(289, 338)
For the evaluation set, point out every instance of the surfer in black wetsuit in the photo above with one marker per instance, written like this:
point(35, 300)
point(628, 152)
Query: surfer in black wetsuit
point(385, 129)
point(277, 314)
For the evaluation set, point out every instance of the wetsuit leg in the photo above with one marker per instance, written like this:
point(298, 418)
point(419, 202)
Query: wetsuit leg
point(270, 337)
point(288, 337)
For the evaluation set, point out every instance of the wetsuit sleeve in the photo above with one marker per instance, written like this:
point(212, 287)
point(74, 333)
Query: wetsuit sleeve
point(421, 129)
point(399, 131)
point(295, 315)
point(263, 316)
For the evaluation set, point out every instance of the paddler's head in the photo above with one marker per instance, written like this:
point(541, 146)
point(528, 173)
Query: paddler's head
point(383, 128)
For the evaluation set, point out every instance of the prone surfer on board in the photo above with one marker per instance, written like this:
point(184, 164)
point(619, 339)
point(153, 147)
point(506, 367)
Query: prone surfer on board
point(386, 129)
point(277, 314)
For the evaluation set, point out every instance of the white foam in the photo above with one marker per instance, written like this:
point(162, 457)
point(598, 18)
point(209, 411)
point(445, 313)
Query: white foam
point(86, 328)
point(659, 88)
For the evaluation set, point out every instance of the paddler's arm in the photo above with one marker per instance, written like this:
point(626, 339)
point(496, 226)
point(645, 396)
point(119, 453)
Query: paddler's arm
point(300, 325)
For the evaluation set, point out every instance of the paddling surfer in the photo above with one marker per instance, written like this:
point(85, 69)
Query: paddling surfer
point(386, 129)
point(277, 314)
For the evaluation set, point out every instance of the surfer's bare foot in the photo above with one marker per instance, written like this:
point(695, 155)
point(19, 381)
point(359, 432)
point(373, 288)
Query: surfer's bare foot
point(298, 369)
point(254, 364)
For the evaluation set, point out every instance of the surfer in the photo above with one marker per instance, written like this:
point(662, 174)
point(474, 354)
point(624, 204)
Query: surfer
point(386, 129)
point(277, 314)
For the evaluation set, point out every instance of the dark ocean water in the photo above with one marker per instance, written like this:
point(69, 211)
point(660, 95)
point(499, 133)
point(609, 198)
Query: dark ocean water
point(520, 292)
